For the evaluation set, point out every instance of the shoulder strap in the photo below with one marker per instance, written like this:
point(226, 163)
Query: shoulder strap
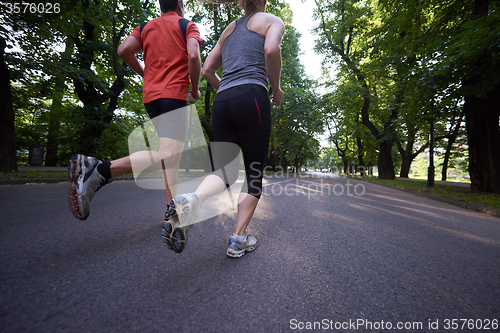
point(183, 23)
point(142, 27)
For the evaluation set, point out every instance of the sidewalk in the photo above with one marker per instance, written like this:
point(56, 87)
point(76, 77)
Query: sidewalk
point(441, 182)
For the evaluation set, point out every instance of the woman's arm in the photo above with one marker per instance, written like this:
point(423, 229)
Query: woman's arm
point(272, 52)
point(212, 65)
point(214, 60)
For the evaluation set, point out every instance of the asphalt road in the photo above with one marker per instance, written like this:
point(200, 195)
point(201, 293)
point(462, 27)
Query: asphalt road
point(326, 260)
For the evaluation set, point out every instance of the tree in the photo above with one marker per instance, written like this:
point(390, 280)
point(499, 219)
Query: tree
point(299, 118)
point(342, 25)
point(56, 109)
point(89, 66)
point(97, 60)
point(481, 90)
point(8, 161)
point(452, 137)
point(462, 46)
point(410, 58)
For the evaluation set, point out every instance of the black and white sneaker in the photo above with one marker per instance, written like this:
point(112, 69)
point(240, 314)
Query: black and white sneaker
point(179, 218)
point(174, 236)
point(85, 181)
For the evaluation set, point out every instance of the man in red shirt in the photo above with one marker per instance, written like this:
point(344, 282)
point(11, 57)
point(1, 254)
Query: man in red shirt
point(171, 62)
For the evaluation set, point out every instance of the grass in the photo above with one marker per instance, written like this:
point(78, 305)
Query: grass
point(446, 191)
point(450, 179)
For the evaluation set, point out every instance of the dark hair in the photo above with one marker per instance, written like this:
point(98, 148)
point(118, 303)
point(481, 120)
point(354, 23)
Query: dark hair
point(168, 5)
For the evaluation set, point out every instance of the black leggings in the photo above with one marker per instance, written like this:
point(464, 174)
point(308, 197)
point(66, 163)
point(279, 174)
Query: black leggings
point(242, 115)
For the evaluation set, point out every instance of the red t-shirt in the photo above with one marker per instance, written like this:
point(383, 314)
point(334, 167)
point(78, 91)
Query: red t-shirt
point(166, 71)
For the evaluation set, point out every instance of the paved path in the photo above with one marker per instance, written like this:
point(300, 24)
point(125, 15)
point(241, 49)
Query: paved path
point(377, 255)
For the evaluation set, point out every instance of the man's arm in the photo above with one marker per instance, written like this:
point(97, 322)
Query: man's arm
point(272, 52)
point(194, 63)
point(127, 50)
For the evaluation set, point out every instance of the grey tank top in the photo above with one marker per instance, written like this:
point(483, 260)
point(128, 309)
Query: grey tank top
point(243, 60)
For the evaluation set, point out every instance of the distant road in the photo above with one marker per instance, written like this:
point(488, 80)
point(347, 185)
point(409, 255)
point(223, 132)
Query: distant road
point(333, 253)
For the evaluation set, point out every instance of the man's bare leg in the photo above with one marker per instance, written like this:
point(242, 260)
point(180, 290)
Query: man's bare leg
point(166, 158)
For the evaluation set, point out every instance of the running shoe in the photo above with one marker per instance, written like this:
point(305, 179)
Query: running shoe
point(186, 207)
point(237, 249)
point(85, 181)
point(174, 236)
point(179, 218)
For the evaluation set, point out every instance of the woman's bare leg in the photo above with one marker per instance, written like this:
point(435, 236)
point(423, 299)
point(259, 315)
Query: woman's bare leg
point(246, 207)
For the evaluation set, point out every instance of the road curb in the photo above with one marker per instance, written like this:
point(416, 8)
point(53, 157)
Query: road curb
point(32, 181)
point(470, 206)
point(45, 181)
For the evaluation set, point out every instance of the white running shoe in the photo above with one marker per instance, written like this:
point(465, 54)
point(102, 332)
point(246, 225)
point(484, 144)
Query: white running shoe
point(237, 249)
point(186, 208)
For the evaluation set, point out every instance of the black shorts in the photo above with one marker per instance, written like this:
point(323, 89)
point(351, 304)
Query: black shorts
point(169, 117)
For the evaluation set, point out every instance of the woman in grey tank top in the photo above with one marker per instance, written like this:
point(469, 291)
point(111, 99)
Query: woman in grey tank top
point(249, 52)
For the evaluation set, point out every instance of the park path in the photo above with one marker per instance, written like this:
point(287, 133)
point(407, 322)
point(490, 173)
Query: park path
point(367, 255)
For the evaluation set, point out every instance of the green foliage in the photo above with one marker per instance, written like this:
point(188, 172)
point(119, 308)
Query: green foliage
point(71, 56)
point(298, 119)
point(410, 59)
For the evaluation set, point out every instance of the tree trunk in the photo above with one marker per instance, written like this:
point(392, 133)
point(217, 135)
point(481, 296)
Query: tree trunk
point(405, 166)
point(56, 110)
point(483, 133)
point(53, 128)
point(8, 158)
point(342, 154)
point(92, 113)
point(361, 163)
point(384, 162)
point(99, 104)
point(451, 141)
point(482, 122)
point(406, 155)
point(206, 120)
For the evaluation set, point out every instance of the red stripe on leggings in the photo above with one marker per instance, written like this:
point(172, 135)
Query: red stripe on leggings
point(258, 109)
